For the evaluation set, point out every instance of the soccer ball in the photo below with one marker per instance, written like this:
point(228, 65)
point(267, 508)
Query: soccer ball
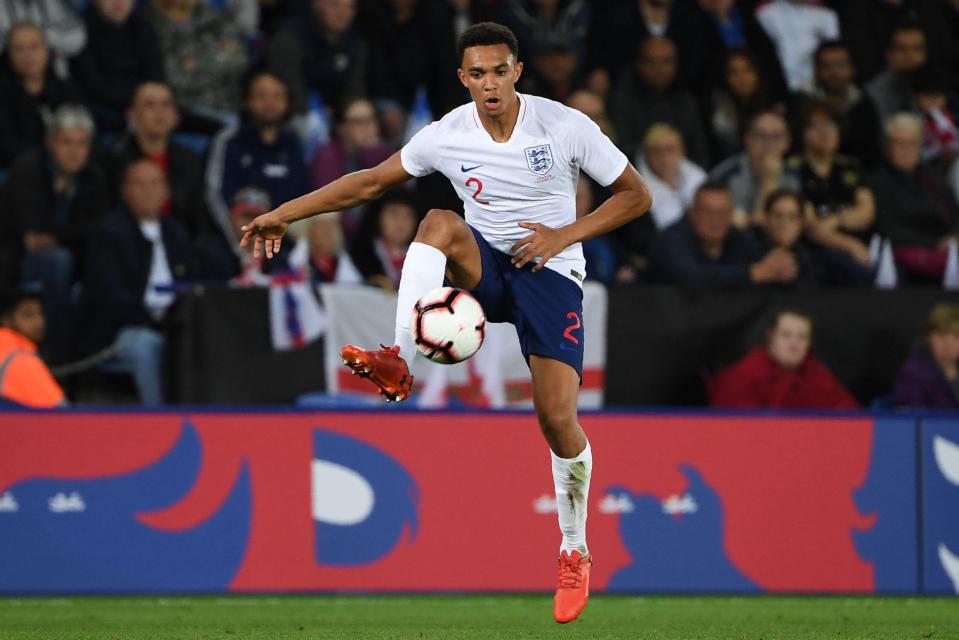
point(447, 325)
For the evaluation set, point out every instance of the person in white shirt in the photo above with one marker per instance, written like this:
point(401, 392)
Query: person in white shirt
point(797, 28)
point(514, 161)
point(673, 179)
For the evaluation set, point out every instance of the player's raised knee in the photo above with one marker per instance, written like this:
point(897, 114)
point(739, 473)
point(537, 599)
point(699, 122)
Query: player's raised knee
point(438, 227)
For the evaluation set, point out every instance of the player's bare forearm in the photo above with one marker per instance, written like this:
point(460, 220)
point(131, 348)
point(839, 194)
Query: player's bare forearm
point(631, 198)
point(349, 191)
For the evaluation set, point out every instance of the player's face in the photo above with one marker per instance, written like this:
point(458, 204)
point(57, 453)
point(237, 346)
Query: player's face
point(490, 73)
point(789, 341)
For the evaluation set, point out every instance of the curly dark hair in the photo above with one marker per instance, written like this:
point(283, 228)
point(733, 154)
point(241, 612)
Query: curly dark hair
point(486, 33)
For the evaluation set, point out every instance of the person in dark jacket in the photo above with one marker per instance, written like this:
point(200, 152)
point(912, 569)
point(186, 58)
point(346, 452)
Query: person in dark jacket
point(929, 379)
point(133, 260)
point(122, 52)
point(263, 151)
point(781, 374)
point(915, 208)
point(152, 116)
point(54, 198)
point(704, 250)
point(322, 51)
point(28, 89)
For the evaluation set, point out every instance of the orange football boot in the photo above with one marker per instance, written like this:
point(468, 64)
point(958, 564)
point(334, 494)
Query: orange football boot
point(572, 586)
point(385, 368)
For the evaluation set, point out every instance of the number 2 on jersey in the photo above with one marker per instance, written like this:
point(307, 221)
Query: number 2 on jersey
point(568, 334)
point(479, 189)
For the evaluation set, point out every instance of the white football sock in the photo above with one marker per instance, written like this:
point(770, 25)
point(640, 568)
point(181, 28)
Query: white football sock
point(423, 271)
point(571, 481)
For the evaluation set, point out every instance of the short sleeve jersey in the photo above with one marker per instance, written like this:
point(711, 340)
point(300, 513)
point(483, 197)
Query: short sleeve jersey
point(531, 177)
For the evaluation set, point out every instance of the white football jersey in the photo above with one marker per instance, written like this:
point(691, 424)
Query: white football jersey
point(530, 178)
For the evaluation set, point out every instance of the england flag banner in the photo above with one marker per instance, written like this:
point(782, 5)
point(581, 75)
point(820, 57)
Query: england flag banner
point(496, 377)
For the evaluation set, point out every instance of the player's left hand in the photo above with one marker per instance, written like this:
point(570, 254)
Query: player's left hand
point(544, 242)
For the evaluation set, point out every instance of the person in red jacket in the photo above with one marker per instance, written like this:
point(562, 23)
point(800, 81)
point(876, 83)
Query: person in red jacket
point(24, 378)
point(781, 374)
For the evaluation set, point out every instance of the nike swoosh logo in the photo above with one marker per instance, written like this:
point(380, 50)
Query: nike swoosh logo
point(466, 169)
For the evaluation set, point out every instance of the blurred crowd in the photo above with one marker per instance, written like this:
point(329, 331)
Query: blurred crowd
point(787, 143)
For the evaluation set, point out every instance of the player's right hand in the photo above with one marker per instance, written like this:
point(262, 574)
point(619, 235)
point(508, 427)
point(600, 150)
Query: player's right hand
point(266, 232)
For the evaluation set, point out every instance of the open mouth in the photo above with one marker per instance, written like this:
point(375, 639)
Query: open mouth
point(492, 103)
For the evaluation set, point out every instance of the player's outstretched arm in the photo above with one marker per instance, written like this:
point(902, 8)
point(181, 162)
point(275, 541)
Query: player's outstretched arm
point(630, 199)
point(266, 231)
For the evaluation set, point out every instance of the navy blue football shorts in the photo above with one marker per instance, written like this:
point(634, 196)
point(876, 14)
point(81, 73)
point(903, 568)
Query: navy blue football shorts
point(545, 307)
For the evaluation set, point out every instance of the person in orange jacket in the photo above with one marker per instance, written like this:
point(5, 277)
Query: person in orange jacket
point(24, 378)
point(781, 374)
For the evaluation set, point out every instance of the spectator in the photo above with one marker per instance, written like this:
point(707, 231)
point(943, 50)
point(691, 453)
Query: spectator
point(262, 151)
point(56, 196)
point(222, 258)
point(323, 52)
point(736, 24)
point(618, 25)
point(204, 57)
point(929, 379)
point(840, 211)
point(29, 89)
point(123, 51)
point(648, 93)
point(593, 107)
point(133, 261)
point(553, 72)
point(783, 212)
point(858, 119)
point(704, 249)
point(672, 178)
point(24, 378)
point(868, 25)
point(412, 43)
point(61, 28)
point(939, 111)
point(329, 261)
point(741, 95)
point(356, 144)
point(782, 374)
point(380, 248)
point(916, 210)
point(152, 116)
point(906, 53)
point(797, 28)
point(540, 24)
point(759, 170)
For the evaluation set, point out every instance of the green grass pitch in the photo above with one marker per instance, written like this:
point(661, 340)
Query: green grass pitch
point(476, 616)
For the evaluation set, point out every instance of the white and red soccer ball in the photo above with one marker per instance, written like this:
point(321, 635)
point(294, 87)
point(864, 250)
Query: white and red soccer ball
point(447, 325)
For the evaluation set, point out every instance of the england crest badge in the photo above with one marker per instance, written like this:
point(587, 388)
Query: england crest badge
point(539, 159)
